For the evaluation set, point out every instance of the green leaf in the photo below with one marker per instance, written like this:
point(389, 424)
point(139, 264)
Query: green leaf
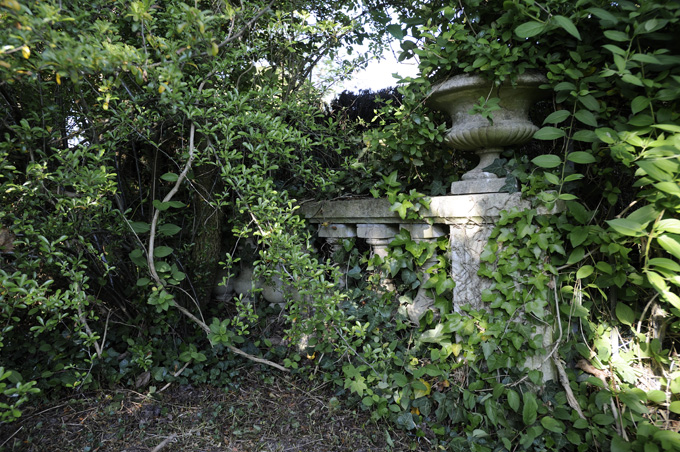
point(169, 229)
point(668, 187)
point(579, 212)
point(162, 251)
point(616, 35)
point(551, 178)
point(627, 227)
point(675, 407)
point(529, 412)
point(547, 161)
point(589, 102)
point(603, 14)
point(567, 25)
point(162, 206)
point(625, 314)
point(549, 133)
point(170, 177)
point(513, 400)
point(670, 244)
point(529, 29)
point(657, 281)
point(668, 225)
point(581, 157)
point(576, 255)
point(584, 272)
point(552, 424)
point(443, 285)
point(639, 103)
point(557, 117)
point(586, 117)
point(632, 79)
point(140, 227)
point(396, 31)
point(618, 444)
point(633, 400)
point(603, 419)
point(656, 396)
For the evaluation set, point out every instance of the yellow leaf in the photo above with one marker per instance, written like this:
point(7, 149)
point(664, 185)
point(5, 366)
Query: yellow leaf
point(58, 79)
point(455, 349)
point(26, 52)
point(215, 49)
point(13, 4)
point(418, 393)
point(312, 356)
point(161, 88)
point(415, 410)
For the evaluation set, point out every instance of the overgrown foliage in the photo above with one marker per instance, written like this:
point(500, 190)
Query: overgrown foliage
point(144, 143)
point(588, 293)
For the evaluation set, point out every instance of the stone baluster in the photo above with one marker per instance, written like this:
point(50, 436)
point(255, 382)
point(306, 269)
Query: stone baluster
point(334, 233)
point(422, 301)
point(379, 236)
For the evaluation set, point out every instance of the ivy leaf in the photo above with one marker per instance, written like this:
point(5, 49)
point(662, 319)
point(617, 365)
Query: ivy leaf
point(529, 29)
point(357, 385)
point(529, 412)
point(552, 424)
point(567, 25)
point(497, 168)
point(513, 400)
point(444, 284)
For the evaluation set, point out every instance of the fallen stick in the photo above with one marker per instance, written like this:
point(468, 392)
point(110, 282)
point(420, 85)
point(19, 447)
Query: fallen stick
point(164, 442)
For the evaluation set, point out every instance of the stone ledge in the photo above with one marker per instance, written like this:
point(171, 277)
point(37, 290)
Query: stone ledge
point(452, 209)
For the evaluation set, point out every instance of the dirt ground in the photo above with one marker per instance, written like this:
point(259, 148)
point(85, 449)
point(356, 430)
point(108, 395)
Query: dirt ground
point(285, 414)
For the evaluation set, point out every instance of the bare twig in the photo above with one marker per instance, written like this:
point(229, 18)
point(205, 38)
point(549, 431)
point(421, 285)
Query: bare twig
point(165, 442)
point(564, 379)
point(176, 374)
point(11, 436)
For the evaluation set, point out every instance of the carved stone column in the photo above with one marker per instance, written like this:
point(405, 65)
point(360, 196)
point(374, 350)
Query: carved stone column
point(334, 233)
point(379, 237)
point(422, 301)
point(468, 237)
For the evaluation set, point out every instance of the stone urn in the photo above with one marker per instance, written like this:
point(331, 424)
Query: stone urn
point(473, 132)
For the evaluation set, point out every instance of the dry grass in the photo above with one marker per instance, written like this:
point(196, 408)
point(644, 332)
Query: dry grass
point(285, 415)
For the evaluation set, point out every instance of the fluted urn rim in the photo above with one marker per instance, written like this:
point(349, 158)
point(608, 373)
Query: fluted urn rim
point(511, 124)
point(465, 82)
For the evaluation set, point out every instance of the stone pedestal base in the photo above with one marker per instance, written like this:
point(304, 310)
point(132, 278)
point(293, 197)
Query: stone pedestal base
point(472, 186)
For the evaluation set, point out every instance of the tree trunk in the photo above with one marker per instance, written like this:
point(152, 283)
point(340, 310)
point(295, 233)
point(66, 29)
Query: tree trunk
point(206, 254)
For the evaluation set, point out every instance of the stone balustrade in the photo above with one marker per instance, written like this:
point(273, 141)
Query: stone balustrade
point(470, 219)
